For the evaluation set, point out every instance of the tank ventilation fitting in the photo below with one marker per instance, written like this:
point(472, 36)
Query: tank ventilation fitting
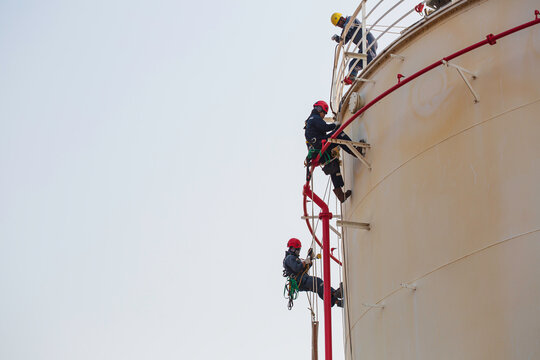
point(356, 102)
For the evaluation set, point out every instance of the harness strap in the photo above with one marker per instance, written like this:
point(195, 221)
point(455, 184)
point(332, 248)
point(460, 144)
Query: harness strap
point(313, 152)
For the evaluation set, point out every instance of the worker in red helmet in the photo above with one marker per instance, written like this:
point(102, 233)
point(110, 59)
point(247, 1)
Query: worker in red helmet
point(298, 268)
point(317, 130)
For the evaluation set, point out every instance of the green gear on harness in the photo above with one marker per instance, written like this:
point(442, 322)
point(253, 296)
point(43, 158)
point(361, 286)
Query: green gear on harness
point(290, 291)
point(312, 154)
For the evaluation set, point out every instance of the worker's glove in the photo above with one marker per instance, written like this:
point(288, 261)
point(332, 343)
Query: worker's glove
point(336, 38)
point(307, 261)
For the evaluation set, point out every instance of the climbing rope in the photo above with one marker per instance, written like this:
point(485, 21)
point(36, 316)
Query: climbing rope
point(312, 297)
point(290, 291)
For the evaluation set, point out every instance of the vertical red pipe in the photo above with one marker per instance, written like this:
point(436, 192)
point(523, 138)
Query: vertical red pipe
point(325, 217)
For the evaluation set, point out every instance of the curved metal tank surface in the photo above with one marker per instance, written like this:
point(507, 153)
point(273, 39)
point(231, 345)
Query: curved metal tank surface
point(453, 198)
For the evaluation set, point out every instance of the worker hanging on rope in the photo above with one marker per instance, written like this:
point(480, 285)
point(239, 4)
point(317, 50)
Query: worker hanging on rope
point(317, 130)
point(297, 269)
point(338, 20)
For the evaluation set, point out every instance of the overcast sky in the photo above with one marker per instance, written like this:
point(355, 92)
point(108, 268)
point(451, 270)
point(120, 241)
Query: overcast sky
point(151, 167)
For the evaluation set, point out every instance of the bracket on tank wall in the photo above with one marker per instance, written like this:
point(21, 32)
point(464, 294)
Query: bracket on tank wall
point(396, 56)
point(358, 225)
point(335, 231)
point(365, 80)
point(462, 70)
point(317, 217)
point(352, 145)
point(355, 55)
point(331, 227)
point(408, 286)
point(373, 305)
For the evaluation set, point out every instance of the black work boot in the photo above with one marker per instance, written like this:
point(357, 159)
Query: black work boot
point(335, 300)
point(340, 195)
point(339, 291)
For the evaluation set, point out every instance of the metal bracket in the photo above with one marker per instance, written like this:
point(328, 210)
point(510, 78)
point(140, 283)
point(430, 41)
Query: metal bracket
point(373, 305)
point(317, 217)
point(331, 227)
point(358, 225)
point(335, 231)
point(365, 80)
point(356, 55)
point(407, 286)
point(352, 146)
point(462, 70)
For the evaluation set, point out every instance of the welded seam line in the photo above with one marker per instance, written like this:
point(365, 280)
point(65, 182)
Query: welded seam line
point(435, 145)
point(442, 266)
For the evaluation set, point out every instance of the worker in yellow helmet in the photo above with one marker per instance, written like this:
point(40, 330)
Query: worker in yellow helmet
point(338, 20)
point(336, 17)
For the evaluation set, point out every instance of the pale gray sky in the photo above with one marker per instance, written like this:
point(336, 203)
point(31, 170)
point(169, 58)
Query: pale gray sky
point(151, 159)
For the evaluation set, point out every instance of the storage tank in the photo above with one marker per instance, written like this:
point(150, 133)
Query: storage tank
point(450, 266)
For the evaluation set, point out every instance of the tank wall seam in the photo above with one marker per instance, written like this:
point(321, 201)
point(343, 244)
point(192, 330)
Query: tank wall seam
point(434, 146)
point(445, 265)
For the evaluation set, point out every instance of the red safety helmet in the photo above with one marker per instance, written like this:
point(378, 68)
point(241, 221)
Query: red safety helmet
point(323, 105)
point(295, 243)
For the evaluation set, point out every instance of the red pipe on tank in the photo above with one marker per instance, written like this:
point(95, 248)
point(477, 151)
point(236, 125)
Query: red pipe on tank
point(325, 215)
point(313, 232)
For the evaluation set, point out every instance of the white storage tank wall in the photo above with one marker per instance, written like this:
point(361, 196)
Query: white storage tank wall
point(453, 197)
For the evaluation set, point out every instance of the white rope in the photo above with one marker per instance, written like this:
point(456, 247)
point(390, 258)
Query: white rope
point(314, 226)
point(318, 269)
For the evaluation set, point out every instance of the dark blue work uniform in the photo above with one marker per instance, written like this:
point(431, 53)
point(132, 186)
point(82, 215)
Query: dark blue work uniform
point(317, 130)
point(293, 267)
point(370, 39)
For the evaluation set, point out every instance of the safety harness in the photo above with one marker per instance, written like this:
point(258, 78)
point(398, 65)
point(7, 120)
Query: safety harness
point(328, 162)
point(290, 290)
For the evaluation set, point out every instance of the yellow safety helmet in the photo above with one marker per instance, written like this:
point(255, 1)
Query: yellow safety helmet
point(335, 18)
